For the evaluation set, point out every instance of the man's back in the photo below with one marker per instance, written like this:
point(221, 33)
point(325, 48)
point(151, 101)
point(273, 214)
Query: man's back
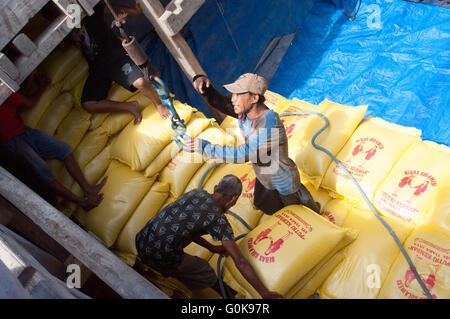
point(160, 243)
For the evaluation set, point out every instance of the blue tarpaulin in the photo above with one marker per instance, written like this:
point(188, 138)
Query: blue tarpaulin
point(228, 38)
point(395, 57)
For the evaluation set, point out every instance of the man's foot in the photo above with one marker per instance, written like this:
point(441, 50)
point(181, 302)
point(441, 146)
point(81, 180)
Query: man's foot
point(91, 202)
point(94, 190)
point(163, 111)
point(134, 109)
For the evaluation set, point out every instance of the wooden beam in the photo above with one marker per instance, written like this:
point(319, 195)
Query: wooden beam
point(108, 267)
point(177, 14)
point(176, 44)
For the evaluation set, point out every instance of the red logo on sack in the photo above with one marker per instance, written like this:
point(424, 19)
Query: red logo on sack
point(247, 191)
point(415, 182)
point(429, 282)
point(367, 147)
point(269, 244)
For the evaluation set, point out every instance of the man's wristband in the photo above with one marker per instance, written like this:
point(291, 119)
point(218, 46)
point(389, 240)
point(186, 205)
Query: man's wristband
point(197, 76)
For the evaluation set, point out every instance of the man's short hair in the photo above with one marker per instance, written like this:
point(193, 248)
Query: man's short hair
point(230, 186)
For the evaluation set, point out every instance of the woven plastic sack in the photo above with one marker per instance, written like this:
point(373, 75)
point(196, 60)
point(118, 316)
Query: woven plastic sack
point(146, 210)
point(410, 188)
point(430, 254)
point(368, 259)
point(201, 175)
point(122, 193)
point(115, 122)
point(116, 93)
point(197, 124)
point(73, 127)
point(184, 165)
point(231, 126)
point(343, 121)
point(59, 63)
point(55, 113)
point(275, 101)
point(369, 155)
point(194, 249)
point(284, 248)
point(438, 217)
point(31, 116)
point(90, 146)
point(77, 92)
point(137, 145)
point(78, 73)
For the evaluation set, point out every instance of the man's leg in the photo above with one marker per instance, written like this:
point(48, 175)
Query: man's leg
point(45, 146)
point(301, 197)
point(20, 149)
point(94, 99)
point(267, 200)
point(75, 171)
point(147, 89)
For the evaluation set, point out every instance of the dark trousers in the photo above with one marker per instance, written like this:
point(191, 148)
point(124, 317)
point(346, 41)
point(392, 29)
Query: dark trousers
point(270, 201)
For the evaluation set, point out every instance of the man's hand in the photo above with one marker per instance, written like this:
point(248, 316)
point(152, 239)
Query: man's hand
point(193, 144)
point(121, 16)
point(199, 82)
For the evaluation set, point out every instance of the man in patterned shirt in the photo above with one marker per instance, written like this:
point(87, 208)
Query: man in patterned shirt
point(160, 243)
point(264, 133)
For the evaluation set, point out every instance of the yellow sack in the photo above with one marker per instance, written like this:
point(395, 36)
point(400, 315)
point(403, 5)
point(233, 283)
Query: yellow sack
point(343, 121)
point(319, 195)
point(59, 63)
point(146, 210)
point(284, 248)
point(311, 282)
point(91, 145)
point(116, 93)
point(438, 217)
point(275, 101)
point(194, 249)
point(123, 191)
point(368, 259)
point(197, 124)
point(336, 211)
point(73, 127)
point(369, 155)
point(115, 122)
point(138, 145)
point(55, 113)
point(409, 189)
point(184, 165)
point(31, 116)
point(244, 206)
point(78, 73)
point(199, 174)
point(77, 92)
point(430, 254)
point(231, 127)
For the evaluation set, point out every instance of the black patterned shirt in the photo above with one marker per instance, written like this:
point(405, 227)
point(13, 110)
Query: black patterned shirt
point(160, 243)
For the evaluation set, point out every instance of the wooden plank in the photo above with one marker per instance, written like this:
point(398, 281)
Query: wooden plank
point(177, 14)
point(8, 67)
point(108, 267)
point(176, 44)
point(14, 15)
point(7, 81)
point(24, 44)
point(33, 276)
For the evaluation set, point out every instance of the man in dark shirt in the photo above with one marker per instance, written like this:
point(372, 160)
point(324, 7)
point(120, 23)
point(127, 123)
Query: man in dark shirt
point(264, 133)
point(109, 62)
point(160, 243)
